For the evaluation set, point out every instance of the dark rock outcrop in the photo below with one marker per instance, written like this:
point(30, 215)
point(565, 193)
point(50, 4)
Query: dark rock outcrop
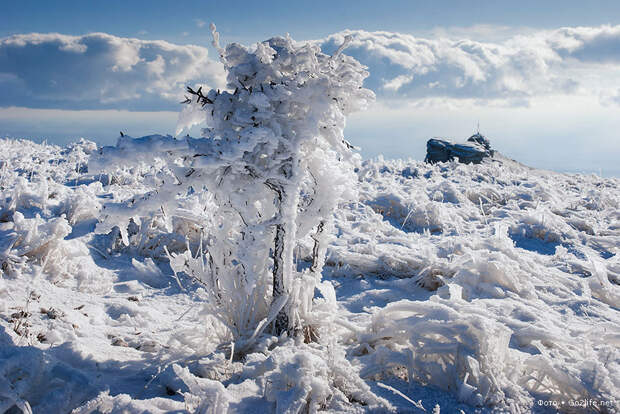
point(480, 139)
point(473, 151)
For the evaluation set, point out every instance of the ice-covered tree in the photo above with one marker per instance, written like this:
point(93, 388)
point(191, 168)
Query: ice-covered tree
point(274, 163)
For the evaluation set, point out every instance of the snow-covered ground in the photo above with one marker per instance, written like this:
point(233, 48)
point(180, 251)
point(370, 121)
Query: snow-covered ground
point(481, 288)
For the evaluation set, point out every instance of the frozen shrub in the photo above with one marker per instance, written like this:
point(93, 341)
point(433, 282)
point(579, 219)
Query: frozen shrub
point(467, 355)
point(83, 203)
point(309, 378)
point(275, 165)
point(36, 237)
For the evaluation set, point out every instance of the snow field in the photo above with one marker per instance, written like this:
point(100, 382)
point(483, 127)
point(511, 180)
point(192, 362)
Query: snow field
point(491, 286)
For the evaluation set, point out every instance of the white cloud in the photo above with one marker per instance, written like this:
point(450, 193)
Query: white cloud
point(157, 66)
point(580, 60)
point(587, 44)
point(99, 70)
point(200, 23)
point(396, 83)
point(480, 32)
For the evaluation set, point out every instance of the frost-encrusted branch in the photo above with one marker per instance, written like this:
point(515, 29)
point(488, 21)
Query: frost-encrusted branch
point(216, 44)
point(200, 98)
point(343, 46)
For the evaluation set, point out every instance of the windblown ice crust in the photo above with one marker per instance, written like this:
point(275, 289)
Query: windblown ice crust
point(491, 285)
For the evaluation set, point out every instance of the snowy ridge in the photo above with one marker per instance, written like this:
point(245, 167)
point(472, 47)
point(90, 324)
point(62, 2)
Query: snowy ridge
point(492, 286)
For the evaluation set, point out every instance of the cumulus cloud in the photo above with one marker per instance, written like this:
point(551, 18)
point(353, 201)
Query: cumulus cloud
point(101, 71)
point(587, 44)
point(580, 60)
point(98, 70)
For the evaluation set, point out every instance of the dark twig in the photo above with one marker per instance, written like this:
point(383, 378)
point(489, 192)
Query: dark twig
point(201, 99)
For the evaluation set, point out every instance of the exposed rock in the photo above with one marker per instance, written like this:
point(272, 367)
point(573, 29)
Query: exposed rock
point(474, 150)
point(480, 139)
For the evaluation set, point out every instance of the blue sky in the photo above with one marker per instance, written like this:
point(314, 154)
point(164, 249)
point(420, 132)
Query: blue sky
point(542, 78)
